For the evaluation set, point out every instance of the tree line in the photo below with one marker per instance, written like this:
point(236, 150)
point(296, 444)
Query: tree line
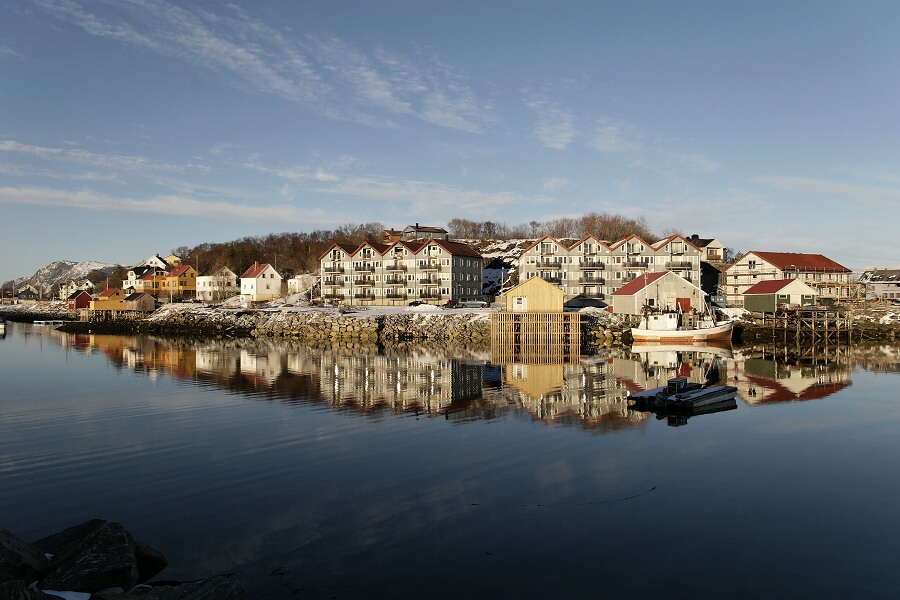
point(298, 252)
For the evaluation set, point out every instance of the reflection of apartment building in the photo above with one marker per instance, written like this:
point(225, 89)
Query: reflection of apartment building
point(831, 280)
point(593, 268)
point(405, 382)
point(764, 380)
point(376, 274)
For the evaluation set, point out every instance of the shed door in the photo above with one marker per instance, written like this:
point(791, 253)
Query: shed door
point(520, 304)
point(683, 304)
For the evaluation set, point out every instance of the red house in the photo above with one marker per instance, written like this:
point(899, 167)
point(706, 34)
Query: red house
point(79, 299)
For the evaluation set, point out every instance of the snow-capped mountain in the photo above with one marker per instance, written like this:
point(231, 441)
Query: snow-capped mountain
point(61, 271)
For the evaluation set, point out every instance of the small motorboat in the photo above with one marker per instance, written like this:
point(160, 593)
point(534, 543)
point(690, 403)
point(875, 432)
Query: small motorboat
point(682, 394)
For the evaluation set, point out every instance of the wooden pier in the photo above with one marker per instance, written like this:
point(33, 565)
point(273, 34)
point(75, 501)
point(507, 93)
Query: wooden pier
point(541, 337)
point(810, 325)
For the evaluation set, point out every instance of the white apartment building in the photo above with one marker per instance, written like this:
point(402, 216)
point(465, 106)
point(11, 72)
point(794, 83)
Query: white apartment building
point(831, 280)
point(595, 269)
point(434, 271)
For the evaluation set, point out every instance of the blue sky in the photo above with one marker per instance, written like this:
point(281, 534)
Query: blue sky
point(132, 127)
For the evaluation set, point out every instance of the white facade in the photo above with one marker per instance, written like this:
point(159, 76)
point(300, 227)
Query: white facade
point(218, 286)
point(433, 272)
point(594, 269)
point(828, 278)
point(260, 283)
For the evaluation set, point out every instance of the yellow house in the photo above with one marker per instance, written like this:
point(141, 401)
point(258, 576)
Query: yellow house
point(535, 295)
point(112, 299)
point(181, 282)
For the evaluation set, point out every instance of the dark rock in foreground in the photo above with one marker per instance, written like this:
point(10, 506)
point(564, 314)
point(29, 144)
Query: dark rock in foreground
point(97, 557)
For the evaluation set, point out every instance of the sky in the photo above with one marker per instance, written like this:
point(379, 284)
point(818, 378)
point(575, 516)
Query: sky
point(133, 127)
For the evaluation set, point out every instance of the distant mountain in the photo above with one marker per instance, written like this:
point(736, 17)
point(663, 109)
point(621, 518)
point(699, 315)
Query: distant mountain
point(61, 271)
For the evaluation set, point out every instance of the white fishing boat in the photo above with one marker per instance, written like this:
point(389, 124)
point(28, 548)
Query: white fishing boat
point(680, 393)
point(674, 327)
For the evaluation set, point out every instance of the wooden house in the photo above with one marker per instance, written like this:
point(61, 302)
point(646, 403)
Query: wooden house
point(181, 282)
point(260, 283)
point(534, 295)
point(78, 300)
point(769, 296)
point(112, 300)
point(140, 302)
point(664, 290)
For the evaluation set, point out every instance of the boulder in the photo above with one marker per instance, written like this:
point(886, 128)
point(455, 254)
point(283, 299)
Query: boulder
point(98, 555)
point(20, 560)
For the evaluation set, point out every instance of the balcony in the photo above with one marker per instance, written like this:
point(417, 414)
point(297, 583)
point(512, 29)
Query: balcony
point(593, 264)
point(553, 280)
point(333, 296)
point(429, 295)
point(393, 281)
point(679, 264)
point(364, 269)
point(592, 280)
point(334, 269)
point(629, 278)
point(364, 296)
point(593, 294)
point(395, 267)
point(363, 282)
point(549, 264)
point(429, 281)
point(637, 264)
point(395, 296)
point(331, 282)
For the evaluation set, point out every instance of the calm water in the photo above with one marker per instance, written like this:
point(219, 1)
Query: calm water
point(429, 473)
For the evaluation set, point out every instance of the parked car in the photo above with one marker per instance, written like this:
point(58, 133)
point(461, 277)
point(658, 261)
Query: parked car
point(416, 303)
point(473, 303)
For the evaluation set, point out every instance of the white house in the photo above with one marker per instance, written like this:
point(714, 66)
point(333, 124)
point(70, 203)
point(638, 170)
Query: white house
point(259, 283)
point(217, 286)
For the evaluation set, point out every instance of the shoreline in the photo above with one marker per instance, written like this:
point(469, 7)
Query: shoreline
point(375, 325)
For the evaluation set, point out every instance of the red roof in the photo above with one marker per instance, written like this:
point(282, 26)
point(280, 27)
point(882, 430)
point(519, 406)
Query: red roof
point(179, 270)
point(254, 271)
point(794, 261)
point(770, 286)
point(638, 283)
point(109, 292)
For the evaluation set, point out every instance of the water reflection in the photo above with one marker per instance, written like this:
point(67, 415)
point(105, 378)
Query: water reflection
point(462, 384)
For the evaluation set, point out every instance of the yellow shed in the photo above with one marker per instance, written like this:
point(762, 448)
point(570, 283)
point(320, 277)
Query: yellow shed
point(535, 295)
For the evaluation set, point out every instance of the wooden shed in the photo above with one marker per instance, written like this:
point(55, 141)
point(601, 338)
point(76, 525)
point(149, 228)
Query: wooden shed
point(140, 302)
point(663, 289)
point(769, 296)
point(535, 295)
point(78, 300)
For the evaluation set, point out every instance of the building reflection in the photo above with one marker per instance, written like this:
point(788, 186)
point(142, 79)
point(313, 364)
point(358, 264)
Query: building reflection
point(770, 375)
point(464, 384)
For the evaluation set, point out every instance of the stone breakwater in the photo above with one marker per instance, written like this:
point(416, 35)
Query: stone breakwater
point(316, 326)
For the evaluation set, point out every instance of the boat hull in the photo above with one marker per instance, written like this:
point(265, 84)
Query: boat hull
point(719, 332)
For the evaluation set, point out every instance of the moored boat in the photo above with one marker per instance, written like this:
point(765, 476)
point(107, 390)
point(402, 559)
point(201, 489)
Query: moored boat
point(669, 327)
point(680, 393)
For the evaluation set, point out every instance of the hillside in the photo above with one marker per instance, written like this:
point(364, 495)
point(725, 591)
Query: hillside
point(59, 272)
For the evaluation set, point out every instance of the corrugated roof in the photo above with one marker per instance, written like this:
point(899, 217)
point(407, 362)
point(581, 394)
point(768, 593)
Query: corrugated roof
point(639, 283)
point(770, 286)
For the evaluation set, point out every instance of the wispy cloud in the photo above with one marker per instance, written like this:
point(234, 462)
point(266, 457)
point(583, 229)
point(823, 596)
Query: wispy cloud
point(320, 72)
point(850, 191)
point(555, 184)
point(7, 52)
point(641, 149)
point(555, 125)
point(169, 205)
point(85, 157)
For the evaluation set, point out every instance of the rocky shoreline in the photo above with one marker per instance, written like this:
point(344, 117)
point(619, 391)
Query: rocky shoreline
point(315, 326)
point(99, 560)
point(361, 326)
